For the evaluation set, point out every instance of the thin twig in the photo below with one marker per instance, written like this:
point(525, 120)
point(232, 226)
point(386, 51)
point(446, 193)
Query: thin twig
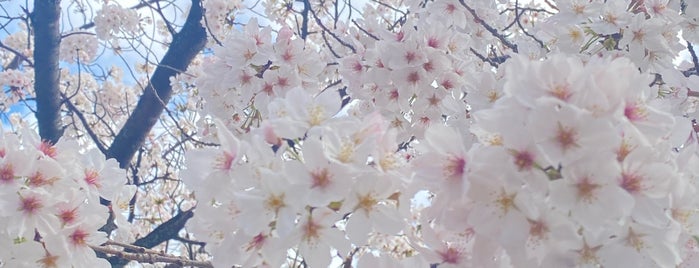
point(86, 125)
point(489, 28)
point(519, 23)
point(325, 29)
point(483, 58)
point(365, 31)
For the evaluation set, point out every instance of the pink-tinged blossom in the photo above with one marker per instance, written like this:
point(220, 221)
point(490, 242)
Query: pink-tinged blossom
point(323, 180)
point(568, 132)
point(222, 162)
point(517, 157)
point(275, 200)
point(498, 203)
point(80, 47)
point(583, 253)
point(654, 124)
point(405, 55)
point(445, 162)
point(101, 177)
point(350, 142)
point(315, 236)
point(311, 110)
point(15, 79)
point(72, 245)
point(71, 209)
point(613, 17)
point(586, 190)
point(255, 250)
point(558, 78)
point(372, 211)
point(446, 248)
point(643, 175)
point(114, 20)
point(576, 11)
point(641, 245)
point(353, 69)
point(13, 167)
point(30, 211)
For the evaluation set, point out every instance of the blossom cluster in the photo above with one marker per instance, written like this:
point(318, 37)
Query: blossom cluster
point(549, 158)
point(82, 48)
point(50, 209)
point(113, 20)
point(16, 41)
point(445, 133)
point(17, 79)
point(18, 84)
point(539, 184)
point(239, 64)
point(219, 15)
point(564, 157)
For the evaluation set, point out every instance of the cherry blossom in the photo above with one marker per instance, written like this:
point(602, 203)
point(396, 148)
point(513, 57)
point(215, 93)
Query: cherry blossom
point(115, 20)
point(389, 133)
point(315, 236)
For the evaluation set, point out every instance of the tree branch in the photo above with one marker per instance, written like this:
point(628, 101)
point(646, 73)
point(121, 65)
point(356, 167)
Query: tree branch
point(493, 61)
point(143, 255)
point(325, 29)
point(166, 231)
point(186, 44)
point(47, 41)
point(86, 125)
point(304, 22)
point(19, 57)
point(489, 28)
point(693, 53)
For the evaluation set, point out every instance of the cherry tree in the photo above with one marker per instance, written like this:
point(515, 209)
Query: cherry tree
point(445, 133)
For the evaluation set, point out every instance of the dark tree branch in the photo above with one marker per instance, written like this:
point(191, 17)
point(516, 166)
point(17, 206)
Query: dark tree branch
point(483, 58)
point(493, 61)
point(365, 31)
point(144, 255)
point(186, 44)
point(689, 72)
point(166, 231)
point(330, 47)
point(304, 22)
point(693, 53)
point(47, 41)
point(189, 241)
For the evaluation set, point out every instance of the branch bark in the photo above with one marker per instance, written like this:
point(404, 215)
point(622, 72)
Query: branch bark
point(186, 44)
point(166, 231)
point(151, 257)
point(47, 42)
